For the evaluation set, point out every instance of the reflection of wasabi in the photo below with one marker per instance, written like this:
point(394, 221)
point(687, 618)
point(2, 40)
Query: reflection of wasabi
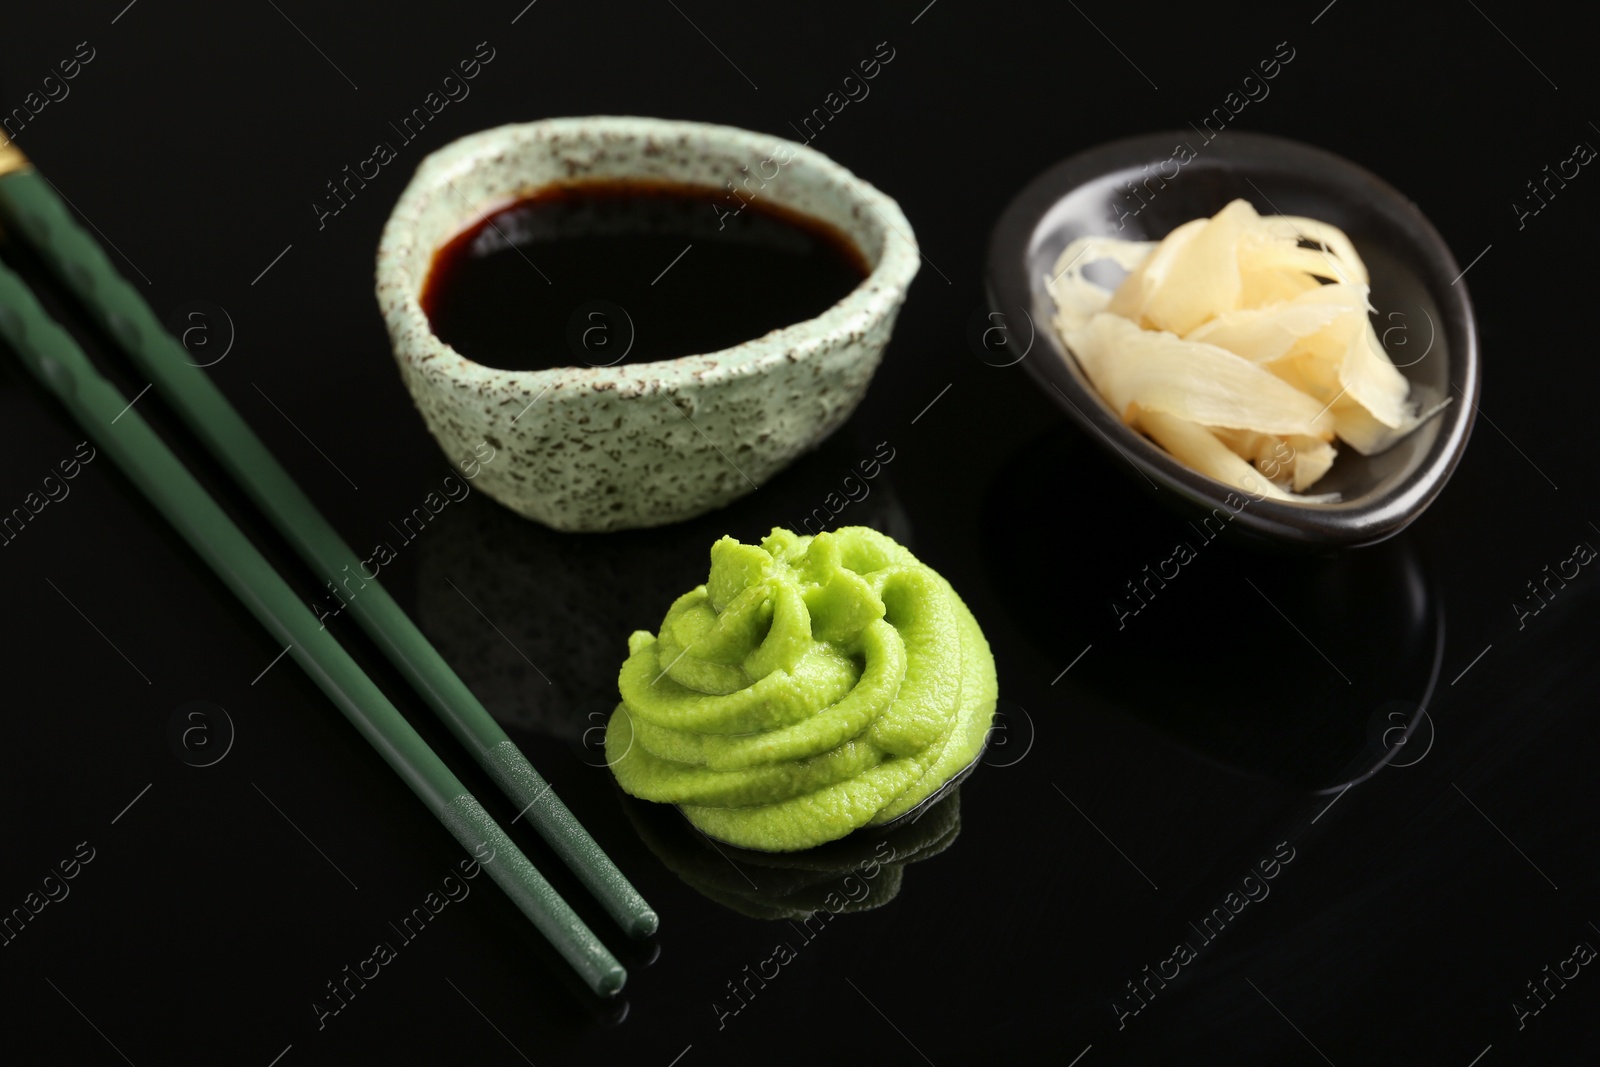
point(860, 873)
point(812, 686)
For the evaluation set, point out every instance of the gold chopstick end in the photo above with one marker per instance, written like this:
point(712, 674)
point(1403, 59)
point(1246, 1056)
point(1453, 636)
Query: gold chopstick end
point(12, 158)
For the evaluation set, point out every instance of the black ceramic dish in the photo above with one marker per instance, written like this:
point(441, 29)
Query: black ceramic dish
point(1138, 189)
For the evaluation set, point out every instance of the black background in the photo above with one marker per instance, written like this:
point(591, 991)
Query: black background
point(1171, 758)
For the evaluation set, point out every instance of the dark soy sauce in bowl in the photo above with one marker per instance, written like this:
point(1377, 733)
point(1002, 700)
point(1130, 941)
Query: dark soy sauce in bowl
point(602, 273)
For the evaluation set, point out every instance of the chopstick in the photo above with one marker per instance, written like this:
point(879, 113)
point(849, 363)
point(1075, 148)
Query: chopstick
point(30, 201)
point(62, 367)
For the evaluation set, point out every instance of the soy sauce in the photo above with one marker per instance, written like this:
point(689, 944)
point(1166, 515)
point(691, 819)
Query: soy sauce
point(602, 273)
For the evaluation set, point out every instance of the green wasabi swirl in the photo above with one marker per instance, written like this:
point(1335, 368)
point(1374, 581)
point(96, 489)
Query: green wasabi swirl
point(812, 686)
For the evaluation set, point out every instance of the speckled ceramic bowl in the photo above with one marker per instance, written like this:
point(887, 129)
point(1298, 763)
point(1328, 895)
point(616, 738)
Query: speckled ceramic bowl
point(605, 448)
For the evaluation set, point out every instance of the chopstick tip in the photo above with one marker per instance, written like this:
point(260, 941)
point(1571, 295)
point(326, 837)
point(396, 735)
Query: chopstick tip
point(645, 923)
point(611, 981)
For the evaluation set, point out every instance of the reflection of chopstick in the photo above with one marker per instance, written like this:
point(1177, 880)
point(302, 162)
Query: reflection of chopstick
point(30, 200)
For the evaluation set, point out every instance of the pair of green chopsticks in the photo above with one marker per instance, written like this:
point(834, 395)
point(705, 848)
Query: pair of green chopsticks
point(30, 204)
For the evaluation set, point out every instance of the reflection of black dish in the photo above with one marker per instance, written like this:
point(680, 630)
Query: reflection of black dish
point(1275, 666)
point(1389, 897)
point(564, 604)
point(857, 873)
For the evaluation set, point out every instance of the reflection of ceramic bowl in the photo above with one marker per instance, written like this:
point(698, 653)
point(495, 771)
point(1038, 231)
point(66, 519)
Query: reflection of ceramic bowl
point(858, 873)
point(564, 605)
point(631, 445)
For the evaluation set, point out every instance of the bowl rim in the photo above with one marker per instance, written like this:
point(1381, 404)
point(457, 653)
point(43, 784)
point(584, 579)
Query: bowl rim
point(399, 285)
point(1371, 518)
